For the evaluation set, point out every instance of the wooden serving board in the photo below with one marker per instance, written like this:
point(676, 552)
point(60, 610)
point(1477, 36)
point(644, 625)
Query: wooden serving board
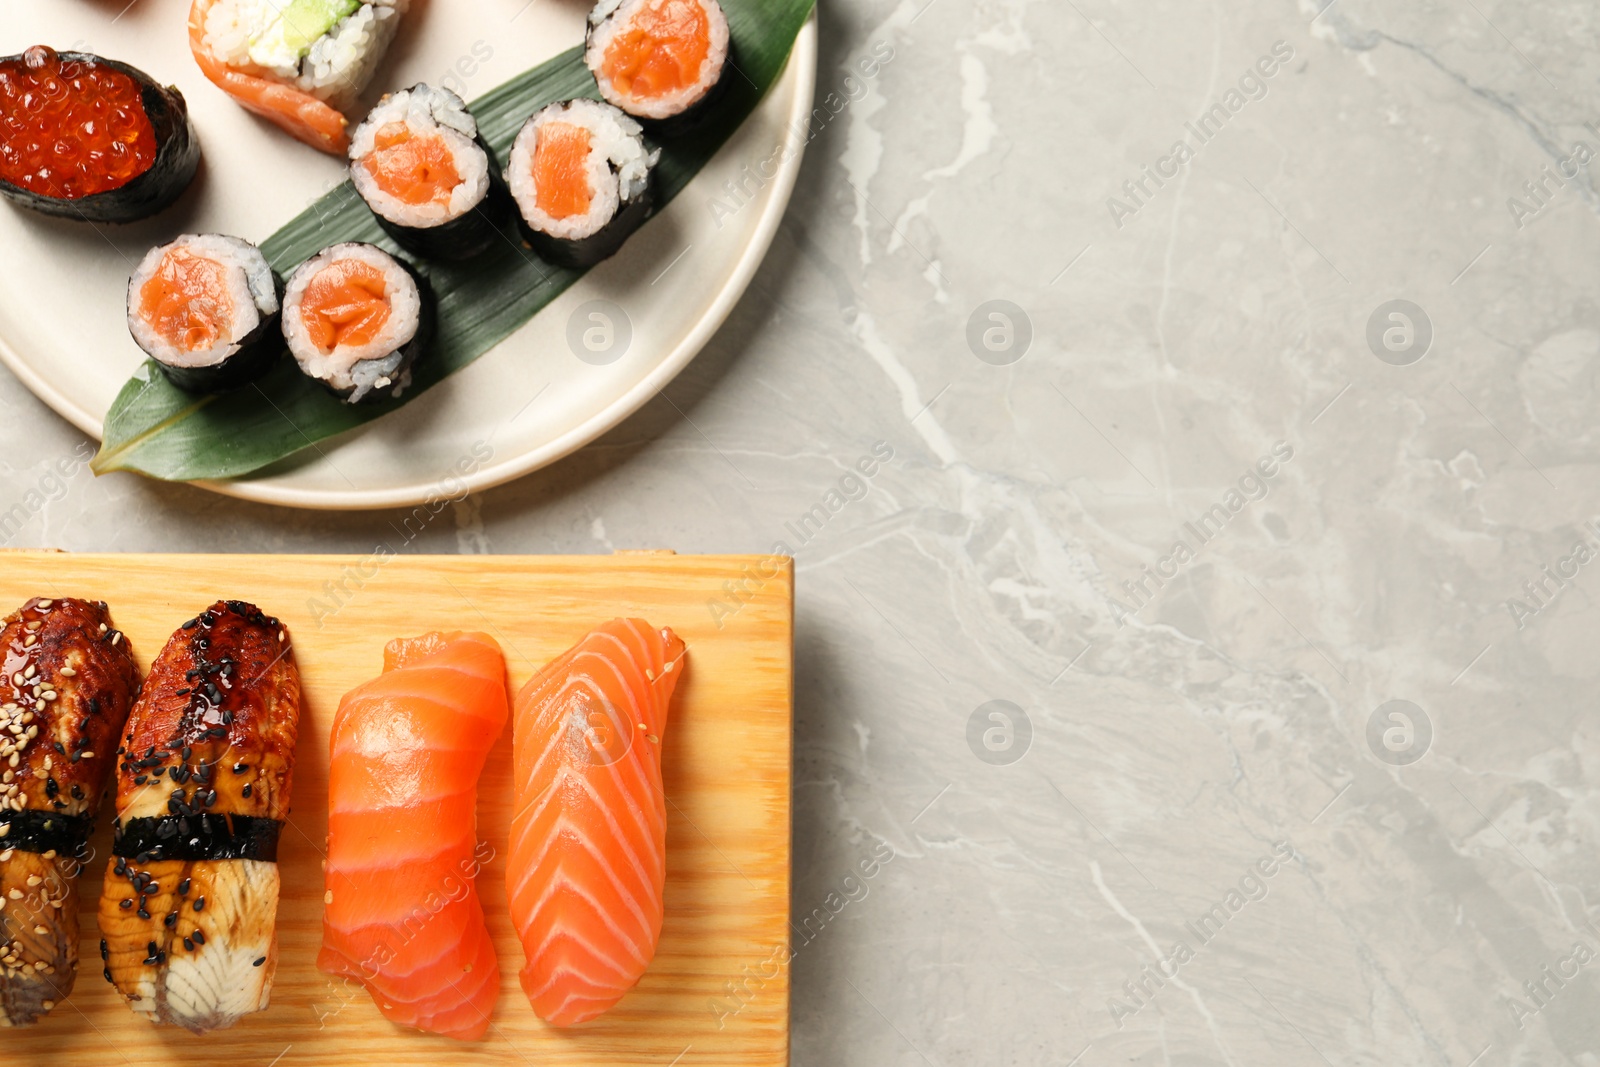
point(726, 759)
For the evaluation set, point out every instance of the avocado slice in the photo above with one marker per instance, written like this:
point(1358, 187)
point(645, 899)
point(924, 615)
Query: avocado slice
point(300, 23)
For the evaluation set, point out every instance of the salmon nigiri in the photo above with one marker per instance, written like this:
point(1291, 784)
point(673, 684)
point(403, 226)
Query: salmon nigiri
point(588, 837)
point(402, 913)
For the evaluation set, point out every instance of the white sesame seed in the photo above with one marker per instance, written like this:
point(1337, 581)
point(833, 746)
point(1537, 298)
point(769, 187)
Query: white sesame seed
point(29, 641)
point(68, 672)
point(44, 605)
point(30, 672)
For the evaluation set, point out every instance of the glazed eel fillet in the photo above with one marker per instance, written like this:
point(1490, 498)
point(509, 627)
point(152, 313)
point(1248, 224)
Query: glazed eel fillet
point(191, 896)
point(69, 681)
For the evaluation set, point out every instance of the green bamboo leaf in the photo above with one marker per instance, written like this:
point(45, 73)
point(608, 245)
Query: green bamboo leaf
point(157, 429)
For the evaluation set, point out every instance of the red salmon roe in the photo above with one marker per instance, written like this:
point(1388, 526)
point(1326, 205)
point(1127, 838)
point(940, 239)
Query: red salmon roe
point(71, 129)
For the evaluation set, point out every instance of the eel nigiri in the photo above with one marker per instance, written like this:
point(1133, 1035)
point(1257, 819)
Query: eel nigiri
point(69, 681)
point(588, 839)
point(189, 912)
point(402, 914)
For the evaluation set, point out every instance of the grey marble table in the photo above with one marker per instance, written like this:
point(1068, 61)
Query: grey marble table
point(1208, 676)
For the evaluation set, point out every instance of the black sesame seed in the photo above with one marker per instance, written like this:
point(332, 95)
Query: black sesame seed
point(259, 962)
point(170, 920)
point(199, 937)
point(142, 914)
point(199, 903)
point(151, 948)
point(183, 888)
point(188, 943)
point(51, 788)
point(126, 904)
point(191, 624)
point(246, 790)
point(187, 751)
point(240, 768)
point(141, 779)
point(108, 974)
point(104, 950)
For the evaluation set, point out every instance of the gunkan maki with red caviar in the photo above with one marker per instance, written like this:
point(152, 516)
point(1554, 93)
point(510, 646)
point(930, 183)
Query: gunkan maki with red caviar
point(89, 138)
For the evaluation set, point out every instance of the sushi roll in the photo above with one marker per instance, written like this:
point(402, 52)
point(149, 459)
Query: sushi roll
point(422, 168)
point(661, 61)
point(91, 139)
point(205, 308)
point(189, 910)
point(72, 679)
point(296, 63)
point(356, 319)
point(580, 176)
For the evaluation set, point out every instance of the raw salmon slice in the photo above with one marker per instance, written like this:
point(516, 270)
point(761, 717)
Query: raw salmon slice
point(402, 914)
point(588, 838)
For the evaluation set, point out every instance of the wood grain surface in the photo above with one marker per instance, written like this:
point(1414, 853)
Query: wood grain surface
point(717, 992)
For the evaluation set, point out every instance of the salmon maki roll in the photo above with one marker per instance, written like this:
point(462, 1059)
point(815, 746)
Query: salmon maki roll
point(588, 840)
point(356, 319)
point(296, 63)
point(580, 175)
point(189, 911)
point(402, 914)
point(69, 681)
point(661, 61)
point(205, 308)
point(421, 166)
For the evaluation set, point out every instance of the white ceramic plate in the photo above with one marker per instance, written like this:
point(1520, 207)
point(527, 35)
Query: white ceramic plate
point(523, 405)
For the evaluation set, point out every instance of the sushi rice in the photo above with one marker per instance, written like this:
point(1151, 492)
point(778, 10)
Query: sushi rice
point(258, 35)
